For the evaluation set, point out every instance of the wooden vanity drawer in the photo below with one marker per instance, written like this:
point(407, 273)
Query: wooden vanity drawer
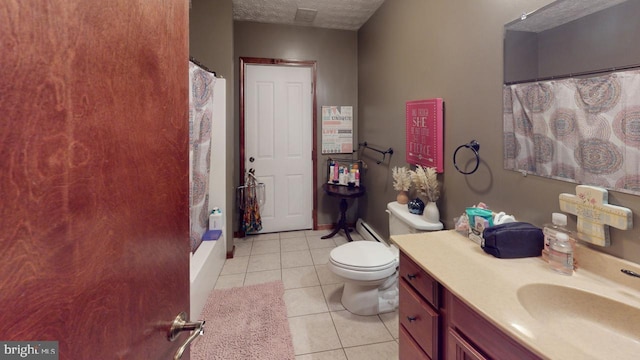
point(420, 280)
point(419, 319)
point(408, 349)
point(485, 336)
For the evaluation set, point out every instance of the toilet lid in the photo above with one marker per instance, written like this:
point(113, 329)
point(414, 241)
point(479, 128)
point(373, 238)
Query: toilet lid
point(365, 255)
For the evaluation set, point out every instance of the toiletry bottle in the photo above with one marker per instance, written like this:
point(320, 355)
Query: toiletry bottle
point(355, 166)
point(331, 165)
point(336, 174)
point(561, 254)
point(558, 225)
point(352, 177)
point(215, 219)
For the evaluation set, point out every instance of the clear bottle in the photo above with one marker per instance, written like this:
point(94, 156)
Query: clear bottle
point(561, 254)
point(558, 225)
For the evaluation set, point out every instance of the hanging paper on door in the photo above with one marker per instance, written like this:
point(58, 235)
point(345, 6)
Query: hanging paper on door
point(337, 129)
point(424, 133)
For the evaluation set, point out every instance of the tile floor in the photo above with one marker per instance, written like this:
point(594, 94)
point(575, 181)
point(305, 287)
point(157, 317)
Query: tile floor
point(320, 326)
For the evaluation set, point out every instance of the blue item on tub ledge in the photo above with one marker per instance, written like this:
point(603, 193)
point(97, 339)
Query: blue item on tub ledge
point(211, 235)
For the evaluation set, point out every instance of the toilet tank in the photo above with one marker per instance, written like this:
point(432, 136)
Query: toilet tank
point(401, 221)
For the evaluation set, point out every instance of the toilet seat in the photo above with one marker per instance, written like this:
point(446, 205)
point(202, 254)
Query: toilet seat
point(363, 260)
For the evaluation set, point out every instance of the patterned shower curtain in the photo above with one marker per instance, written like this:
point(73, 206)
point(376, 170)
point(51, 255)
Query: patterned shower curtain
point(581, 130)
point(201, 95)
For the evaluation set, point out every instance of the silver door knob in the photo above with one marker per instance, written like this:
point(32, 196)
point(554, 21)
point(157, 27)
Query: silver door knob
point(181, 324)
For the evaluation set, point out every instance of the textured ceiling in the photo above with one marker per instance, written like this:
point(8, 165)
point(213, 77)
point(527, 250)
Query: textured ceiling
point(560, 12)
point(333, 14)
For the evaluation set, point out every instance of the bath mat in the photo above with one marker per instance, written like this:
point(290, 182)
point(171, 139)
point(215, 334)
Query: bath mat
point(245, 323)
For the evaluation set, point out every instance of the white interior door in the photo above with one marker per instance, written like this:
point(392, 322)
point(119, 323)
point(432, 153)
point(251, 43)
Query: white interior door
point(278, 143)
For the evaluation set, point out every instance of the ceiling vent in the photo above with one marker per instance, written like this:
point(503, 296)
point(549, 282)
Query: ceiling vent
point(305, 15)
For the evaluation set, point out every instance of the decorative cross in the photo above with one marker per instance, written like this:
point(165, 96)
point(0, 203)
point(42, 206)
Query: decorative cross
point(594, 214)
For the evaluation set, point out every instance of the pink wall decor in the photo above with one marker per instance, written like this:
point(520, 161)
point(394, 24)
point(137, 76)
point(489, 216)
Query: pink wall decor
point(425, 133)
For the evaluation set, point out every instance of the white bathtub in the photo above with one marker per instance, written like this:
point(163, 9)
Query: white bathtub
point(205, 266)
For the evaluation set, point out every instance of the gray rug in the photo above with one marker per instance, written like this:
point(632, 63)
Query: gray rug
point(245, 323)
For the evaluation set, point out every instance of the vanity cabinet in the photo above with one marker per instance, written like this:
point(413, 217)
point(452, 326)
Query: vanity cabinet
point(418, 313)
point(435, 324)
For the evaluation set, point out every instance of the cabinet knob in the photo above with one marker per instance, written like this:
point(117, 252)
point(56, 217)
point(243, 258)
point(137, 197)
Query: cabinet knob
point(411, 276)
point(412, 318)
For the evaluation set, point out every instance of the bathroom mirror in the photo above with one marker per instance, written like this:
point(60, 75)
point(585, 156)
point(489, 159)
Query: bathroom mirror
point(571, 93)
point(569, 37)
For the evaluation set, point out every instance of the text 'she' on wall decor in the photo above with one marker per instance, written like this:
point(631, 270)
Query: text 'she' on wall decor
point(424, 133)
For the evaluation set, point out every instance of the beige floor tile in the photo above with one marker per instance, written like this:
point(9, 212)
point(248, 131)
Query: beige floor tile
point(237, 265)
point(316, 232)
point(300, 277)
point(316, 242)
point(356, 236)
point(294, 244)
point(355, 330)
point(296, 259)
point(324, 355)
point(340, 239)
point(327, 276)
point(243, 247)
point(229, 281)
point(264, 262)
point(390, 320)
point(333, 296)
point(305, 301)
point(292, 234)
point(320, 256)
point(382, 351)
point(262, 277)
point(265, 247)
point(259, 237)
point(313, 333)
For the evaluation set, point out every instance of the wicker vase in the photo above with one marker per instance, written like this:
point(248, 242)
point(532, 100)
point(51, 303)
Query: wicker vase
point(402, 197)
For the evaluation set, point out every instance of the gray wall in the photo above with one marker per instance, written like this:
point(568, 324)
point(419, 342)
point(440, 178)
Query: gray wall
point(414, 49)
point(211, 43)
point(335, 52)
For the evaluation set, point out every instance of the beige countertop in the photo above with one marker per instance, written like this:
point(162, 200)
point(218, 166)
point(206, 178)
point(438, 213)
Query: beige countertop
point(490, 286)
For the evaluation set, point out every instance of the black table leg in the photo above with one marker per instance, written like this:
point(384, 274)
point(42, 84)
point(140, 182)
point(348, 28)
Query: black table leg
point(342, 222)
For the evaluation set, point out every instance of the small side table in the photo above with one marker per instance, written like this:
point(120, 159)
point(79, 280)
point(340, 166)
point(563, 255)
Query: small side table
point(344, 193)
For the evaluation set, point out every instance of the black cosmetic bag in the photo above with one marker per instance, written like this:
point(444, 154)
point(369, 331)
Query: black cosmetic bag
point(513, 240)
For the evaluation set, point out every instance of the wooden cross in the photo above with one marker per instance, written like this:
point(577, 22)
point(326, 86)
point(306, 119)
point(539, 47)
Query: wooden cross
point(595, 214)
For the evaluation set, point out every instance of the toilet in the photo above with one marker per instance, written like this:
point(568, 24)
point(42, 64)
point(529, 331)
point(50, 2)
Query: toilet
point(370, 268)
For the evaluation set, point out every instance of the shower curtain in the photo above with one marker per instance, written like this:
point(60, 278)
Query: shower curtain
point(581, 130)
point(201, 95)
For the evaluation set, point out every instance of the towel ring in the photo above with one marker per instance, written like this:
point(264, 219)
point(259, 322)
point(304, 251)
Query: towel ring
point(474, 146)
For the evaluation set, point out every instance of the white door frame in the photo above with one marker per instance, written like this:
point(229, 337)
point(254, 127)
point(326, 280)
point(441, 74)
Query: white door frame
point(244, 61)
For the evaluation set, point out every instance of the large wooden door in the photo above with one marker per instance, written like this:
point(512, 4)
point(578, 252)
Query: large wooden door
point(94, 175)
point(278, 142)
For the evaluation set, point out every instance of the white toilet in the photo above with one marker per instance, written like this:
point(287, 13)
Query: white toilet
point(369, 268)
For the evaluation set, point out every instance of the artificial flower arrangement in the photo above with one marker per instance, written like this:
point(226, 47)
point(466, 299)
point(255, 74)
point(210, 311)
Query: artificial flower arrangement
point(401, 178)
point(425, 180)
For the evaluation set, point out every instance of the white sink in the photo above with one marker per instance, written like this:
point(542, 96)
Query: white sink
point(599, 325)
